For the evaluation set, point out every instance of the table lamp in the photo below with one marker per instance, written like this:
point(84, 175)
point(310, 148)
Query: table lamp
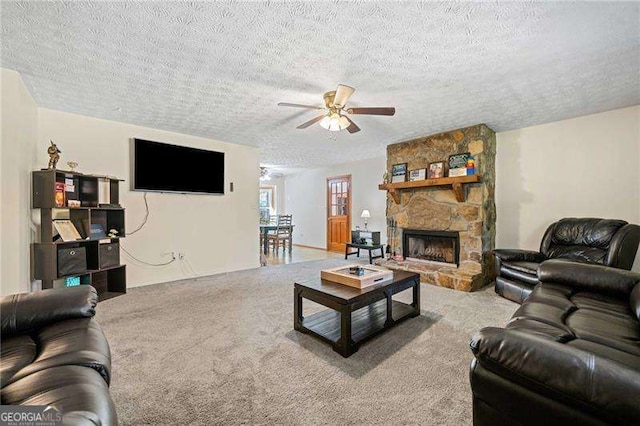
point(365, 215)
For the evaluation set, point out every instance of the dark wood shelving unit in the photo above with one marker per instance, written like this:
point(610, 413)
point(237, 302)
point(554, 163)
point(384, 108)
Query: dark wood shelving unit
point(99, 198)
point(456, 184)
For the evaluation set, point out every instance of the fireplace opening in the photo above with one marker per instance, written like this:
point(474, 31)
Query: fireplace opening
point(434, 246)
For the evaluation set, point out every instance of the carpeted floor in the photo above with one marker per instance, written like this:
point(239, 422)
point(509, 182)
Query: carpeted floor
point(222, 350)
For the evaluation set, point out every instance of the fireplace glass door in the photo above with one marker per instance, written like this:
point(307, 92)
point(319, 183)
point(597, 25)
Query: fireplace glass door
point(435, 246)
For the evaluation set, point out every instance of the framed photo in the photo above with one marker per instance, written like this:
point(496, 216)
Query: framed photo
point(458, 164)
point(66, 230)
point(436, 170)
point(417, 174)
point(399, 173)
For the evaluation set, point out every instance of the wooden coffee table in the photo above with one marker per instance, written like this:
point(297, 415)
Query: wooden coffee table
point(355, 315)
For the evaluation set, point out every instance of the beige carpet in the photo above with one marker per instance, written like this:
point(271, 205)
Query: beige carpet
point(222, 350)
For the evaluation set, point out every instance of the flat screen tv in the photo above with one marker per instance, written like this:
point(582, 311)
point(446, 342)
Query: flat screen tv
point(163, 167)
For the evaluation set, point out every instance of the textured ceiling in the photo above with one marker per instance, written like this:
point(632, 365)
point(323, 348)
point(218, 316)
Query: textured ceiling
point(219, 69)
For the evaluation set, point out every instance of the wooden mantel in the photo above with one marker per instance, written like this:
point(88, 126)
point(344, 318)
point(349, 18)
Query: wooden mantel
point(456, 183)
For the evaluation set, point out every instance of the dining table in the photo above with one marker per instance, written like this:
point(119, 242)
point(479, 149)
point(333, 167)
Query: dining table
point(264, 230)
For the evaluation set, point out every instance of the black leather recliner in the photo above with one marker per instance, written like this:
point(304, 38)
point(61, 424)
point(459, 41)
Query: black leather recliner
point(570, 355)
point(606, 242)
point(54, 353)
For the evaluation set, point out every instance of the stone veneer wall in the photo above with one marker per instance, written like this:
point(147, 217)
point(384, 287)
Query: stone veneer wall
point(435, 208)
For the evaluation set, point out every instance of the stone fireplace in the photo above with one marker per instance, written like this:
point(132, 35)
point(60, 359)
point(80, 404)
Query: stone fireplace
point(431, 224)
point(434, 246)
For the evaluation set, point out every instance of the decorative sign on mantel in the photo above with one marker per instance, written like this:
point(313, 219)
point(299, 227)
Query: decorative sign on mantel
point(458, 164)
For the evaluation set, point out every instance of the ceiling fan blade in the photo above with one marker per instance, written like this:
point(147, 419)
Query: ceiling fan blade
point(310, 122)
point(343, 93)
point(352, 127)
point(287, 104)
point(373, 111)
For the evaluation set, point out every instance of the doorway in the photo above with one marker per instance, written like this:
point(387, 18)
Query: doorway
point(338, 212)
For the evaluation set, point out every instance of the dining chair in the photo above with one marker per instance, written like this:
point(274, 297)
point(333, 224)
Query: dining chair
point(282, 234)
point(272, 220)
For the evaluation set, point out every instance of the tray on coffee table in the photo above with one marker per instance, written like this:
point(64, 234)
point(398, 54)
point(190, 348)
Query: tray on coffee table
point(371, 275)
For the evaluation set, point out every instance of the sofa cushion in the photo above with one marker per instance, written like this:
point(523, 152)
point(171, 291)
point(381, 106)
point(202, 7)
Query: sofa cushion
point(522, 266)
point(532, 326)
point(520, 270)
point(613, 282)
point(589, 232)
point(553, 296)
point(79, 392)
point(73, 342)
point(608, 352)
point(15, 354)
point(26, 312)
point(600, 302)
point(611, 330)
point(545, 313)
point(577, 253)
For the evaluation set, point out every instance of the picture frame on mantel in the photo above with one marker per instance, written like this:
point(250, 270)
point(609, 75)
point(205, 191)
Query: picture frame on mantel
point(436, 170)
point(399, 173)
point(417, 174)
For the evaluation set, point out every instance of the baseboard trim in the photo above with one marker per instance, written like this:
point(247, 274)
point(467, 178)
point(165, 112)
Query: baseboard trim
point(311, 247)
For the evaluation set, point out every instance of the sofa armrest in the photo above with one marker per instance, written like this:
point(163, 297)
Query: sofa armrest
point(560, 371)
point(623, 247)
point(21, 313)
point(601, 279)
point(523, 255)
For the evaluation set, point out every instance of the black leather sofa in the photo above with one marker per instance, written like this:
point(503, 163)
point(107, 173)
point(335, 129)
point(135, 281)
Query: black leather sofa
point(570, 355)
point(606, 242)
point(54, 353)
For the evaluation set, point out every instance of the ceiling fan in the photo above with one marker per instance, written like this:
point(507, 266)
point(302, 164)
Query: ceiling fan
point(334, 118)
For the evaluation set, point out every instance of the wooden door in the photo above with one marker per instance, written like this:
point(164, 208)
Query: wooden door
point(338, 212)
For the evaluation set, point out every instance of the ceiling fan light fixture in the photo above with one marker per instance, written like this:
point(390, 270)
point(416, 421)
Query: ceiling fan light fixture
point(325, 122)
point(334, 122)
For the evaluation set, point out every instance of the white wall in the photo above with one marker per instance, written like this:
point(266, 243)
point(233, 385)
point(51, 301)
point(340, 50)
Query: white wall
point(217, 233)
point(306, 199)
point(19, 119)
point(583, 167)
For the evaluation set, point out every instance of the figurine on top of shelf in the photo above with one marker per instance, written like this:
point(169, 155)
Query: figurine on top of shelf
point(385, 177)
point(471, 166)
point(72, 165)
point(54, 155)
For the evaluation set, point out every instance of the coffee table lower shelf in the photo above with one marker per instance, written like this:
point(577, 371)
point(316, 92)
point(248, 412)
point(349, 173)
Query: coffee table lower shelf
point(365, 322)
